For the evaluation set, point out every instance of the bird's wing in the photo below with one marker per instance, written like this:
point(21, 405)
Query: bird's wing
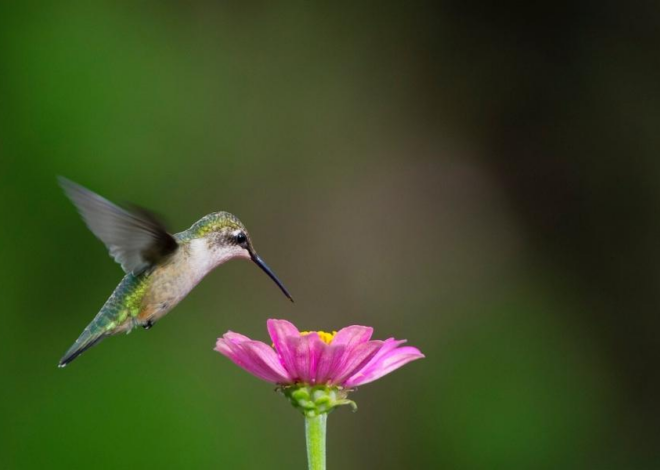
point(136, 239)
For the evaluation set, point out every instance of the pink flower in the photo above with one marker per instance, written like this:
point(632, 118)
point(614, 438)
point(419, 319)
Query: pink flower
point(347, 358)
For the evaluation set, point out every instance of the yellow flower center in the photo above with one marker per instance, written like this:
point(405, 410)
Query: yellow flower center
point(325, 336)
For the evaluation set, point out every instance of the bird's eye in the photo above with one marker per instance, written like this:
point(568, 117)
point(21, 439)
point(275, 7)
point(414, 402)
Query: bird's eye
point(240, 238)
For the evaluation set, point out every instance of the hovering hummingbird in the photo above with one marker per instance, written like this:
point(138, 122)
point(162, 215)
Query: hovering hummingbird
point(161, 269)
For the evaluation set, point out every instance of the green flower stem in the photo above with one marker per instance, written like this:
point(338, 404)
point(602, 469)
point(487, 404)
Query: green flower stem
point(315, 436)
point(315, 402)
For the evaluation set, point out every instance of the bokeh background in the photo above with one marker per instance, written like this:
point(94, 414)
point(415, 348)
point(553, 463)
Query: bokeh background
point(481, 179)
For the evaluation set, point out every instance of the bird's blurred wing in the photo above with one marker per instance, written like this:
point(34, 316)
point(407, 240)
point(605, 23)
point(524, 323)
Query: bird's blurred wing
point(136, 239)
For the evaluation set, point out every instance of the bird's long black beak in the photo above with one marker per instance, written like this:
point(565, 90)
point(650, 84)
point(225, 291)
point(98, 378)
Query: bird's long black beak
point(259, 262)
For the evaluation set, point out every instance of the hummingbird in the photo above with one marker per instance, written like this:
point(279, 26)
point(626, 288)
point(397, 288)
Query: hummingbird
point(161, 268)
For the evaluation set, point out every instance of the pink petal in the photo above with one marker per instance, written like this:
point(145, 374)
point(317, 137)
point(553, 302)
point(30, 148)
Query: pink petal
point(388, 359)
point(304, 354)
point(354, 360)
point(280, 329)
point(351, 336)
point(254, 356)
point(388, 345)
point(281, 332)
point(330, 359)
point(235, 337)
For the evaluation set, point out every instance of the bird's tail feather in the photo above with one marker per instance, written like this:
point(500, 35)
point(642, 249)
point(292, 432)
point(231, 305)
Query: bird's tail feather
point(86, 340)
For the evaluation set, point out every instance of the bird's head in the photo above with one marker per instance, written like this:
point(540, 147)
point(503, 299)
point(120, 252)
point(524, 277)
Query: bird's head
point(224, 237)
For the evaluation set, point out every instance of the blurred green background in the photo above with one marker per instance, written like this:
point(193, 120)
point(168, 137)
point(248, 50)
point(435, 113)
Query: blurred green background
point(479, 179)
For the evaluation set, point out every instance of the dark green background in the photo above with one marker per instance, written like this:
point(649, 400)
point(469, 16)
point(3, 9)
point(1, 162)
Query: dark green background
point(481, 180)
